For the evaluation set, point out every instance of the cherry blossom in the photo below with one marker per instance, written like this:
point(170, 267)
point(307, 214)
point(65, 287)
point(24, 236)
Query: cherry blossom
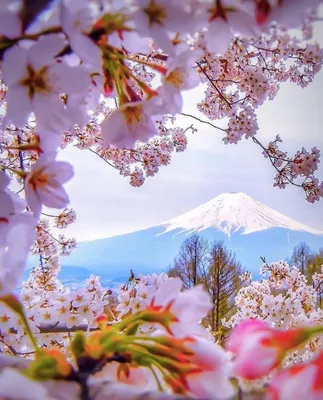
point(102, 76)
point(162, 19)
point(216, 373)
point(180, 76)
point(43, 184)
point(36, 82)
point(14, 248)
point(129, 123)
point(298, 382)
point(77, 20)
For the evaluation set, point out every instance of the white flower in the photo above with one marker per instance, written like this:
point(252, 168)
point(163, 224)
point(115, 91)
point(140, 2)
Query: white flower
point(15, 386)
point(72, 320)
point(124, 303)
point(62, 311)
point(162, 19)
point(80, 298)
point(35, 82)
point(47, 315)
point(189, 307)
point(129, 123)
point(7, 319)
point(77, 19)
point(43, 184)
point(131, 41)
point(214, 380)
point(16, 236)
point(240, 19)
point(181, 75)
point(6, 203)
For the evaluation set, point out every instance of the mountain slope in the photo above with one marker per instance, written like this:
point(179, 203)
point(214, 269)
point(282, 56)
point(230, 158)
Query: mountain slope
point(247, 227)
point(235, 212)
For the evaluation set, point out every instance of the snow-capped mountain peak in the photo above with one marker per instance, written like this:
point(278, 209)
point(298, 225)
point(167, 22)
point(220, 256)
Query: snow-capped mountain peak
point(235, 212)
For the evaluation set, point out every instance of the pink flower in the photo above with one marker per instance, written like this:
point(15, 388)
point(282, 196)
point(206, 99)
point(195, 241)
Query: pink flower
point(43, 184)
point(77, 20)
point(6, 202)
point(181, 75)
point(189, 307)
point(259, 349)
point(129, 123)
point(215, 370)
point(36, 81)
point(298, 382)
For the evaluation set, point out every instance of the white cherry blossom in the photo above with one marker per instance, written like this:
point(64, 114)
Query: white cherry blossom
point(36, 81)
point(44, 183)
point(162, 19)
point(130, 123)
point(14, 247)
point(77, 19)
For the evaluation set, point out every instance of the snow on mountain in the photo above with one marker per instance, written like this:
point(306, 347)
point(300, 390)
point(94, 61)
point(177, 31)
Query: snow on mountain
point(234, 212)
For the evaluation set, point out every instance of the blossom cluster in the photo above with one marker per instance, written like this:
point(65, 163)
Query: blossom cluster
point(301, 166)
point(147, 344)
point(105, 77)
point(109, 77)
point(284, 299)
point(53, 311)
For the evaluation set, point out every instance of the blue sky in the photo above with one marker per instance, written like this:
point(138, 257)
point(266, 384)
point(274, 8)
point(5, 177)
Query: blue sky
point(107, 205)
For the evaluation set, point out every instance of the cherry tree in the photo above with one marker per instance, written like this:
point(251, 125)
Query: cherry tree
point(108, 77)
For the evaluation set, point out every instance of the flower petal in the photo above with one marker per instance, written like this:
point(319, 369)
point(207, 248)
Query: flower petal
point(18, 106)
point(14, 65)
point(50, 113)
point(10, 24)
point(71, 79)
point(87, 50)
point(43, 52)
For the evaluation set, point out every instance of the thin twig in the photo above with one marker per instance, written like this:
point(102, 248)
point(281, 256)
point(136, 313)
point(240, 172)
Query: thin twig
point(213, 85)
point(102, 158)
point(203, 121)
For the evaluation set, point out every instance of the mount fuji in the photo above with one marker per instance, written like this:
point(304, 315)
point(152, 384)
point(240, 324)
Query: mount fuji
point(247, 227)
point(235, 213)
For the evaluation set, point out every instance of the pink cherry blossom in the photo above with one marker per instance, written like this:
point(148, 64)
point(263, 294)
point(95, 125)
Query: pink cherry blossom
point(214, 379)
point(35, 82)
point(162, 19)
point(259, 349)
point(129, 123)
point(77, 19)
point(14, 248)
point(298, 382)
point(43, 184)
